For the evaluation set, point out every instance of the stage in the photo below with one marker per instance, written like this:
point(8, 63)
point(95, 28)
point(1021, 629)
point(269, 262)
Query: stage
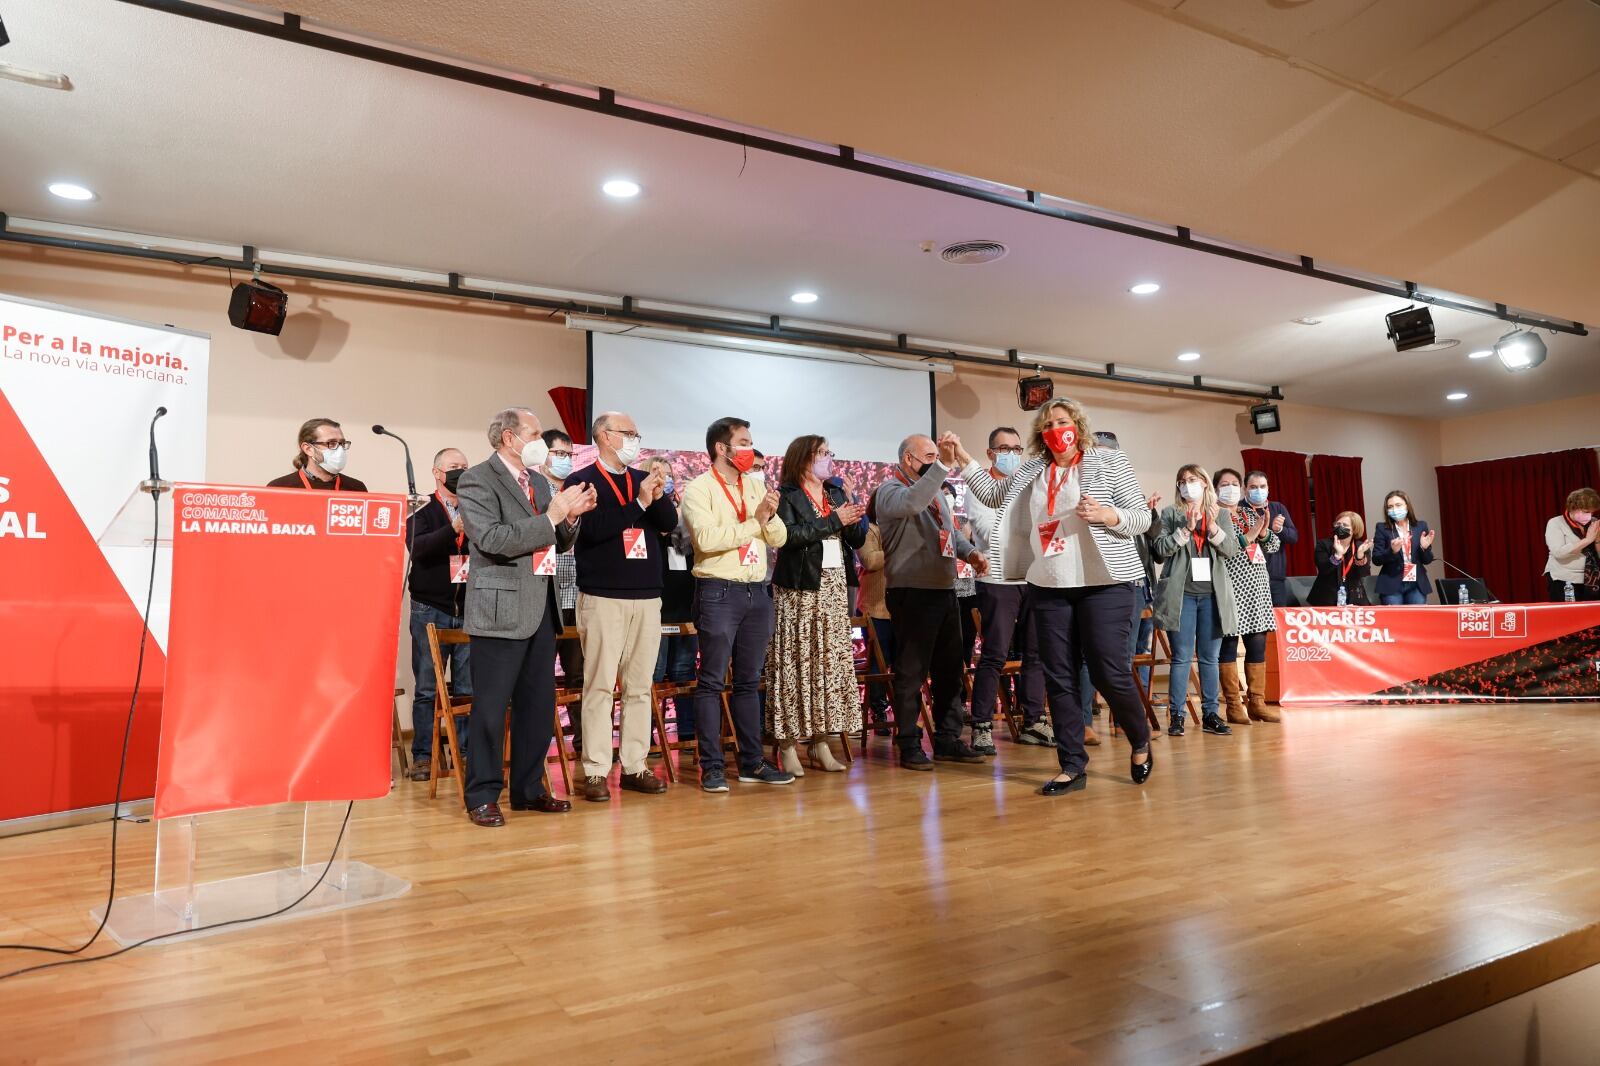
point(1269, 896)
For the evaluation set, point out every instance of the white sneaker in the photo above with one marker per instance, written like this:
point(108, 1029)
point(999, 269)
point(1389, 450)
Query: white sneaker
point(1039, 733)
point(983, 738)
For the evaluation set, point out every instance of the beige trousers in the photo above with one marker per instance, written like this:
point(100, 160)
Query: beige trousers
point(621, 640)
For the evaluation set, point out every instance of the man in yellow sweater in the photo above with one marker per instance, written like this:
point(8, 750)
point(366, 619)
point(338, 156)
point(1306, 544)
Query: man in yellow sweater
point(733, 521)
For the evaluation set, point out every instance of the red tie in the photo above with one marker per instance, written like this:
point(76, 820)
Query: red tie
point(527, 487)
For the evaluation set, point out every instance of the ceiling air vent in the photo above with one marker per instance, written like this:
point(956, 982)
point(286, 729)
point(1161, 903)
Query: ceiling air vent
point(972, 253)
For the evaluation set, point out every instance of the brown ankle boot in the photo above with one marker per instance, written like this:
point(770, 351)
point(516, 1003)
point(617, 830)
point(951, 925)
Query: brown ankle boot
point(1256, 674)
point(1230, 693)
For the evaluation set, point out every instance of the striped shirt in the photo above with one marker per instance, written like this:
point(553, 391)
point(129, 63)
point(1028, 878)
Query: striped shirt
point(1105, 475)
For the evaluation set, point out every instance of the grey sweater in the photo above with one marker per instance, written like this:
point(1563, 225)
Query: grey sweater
point(910, 532)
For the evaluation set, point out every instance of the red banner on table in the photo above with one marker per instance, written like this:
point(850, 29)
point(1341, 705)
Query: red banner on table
point(280, 664)
point(1479, 653)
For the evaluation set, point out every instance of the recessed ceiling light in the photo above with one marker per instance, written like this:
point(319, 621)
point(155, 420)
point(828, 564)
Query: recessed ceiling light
point(1188, 357)
point(1455, 396)
point(1144, 288)
point(620, 188)
point(69, 191)
point(804, 297)
point(1307, 320)
point(1481, 353)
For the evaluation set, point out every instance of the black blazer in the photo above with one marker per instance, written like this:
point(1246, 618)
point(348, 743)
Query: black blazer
point(800, 559)
point(1325, 589)
point(1391, 564)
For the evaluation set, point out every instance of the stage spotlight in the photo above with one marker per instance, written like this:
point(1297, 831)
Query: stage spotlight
point(1264, 418)
point(1033, 393)
point(1411, 328)
point(258, 307)
point(1521, 349)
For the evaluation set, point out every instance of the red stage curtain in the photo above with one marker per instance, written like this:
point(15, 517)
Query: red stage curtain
point(1493, 514)
point(571, 404)
point(1286, 472)
point(1337, 481)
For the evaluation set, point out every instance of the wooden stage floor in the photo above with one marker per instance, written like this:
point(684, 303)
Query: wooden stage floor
point(1258, 887)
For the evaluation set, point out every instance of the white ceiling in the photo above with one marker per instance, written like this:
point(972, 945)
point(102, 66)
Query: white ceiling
point(189, 130)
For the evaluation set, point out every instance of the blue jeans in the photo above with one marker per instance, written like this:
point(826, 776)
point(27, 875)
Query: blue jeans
point(1139, 636)
point(734, 619)
point(1408, 596)
point(456, 660)
point(1199, 635)
point(675, 662)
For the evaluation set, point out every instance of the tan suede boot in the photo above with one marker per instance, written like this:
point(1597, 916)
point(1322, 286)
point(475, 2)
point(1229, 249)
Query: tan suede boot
point(1256, 675)
point(1231, 698)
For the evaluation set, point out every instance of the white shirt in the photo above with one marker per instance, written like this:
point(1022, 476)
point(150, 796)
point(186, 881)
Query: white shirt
point(1080, 564)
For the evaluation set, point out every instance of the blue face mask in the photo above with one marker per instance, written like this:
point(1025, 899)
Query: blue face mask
point(666, 487)
point(1257, 497)
point(559, 466)
point(1007, 463)
point(1397, 514)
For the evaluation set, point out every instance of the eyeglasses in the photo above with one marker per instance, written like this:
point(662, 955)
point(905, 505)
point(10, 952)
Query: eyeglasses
point(625, 435)
point(826, 455)
point(332, 443)
point(567, 454)
point(1014, 450)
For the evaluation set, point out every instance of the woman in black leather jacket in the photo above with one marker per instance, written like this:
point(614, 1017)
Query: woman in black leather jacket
point(811, 675)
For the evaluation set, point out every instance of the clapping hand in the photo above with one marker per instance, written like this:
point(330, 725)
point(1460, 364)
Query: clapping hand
point(1364, 549)
point(1154, 501)
point(768, 506)
point(650, 488)
point(850, 513)
point(572, 501)
point(1426, 540)
point(1277, 523)
point(1191, 516)
point(848, 483)
point(1211, 514)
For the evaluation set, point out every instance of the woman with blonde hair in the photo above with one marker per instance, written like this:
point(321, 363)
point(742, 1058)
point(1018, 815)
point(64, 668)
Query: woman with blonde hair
point(1342, 564)
point(1082, 507)
point(1194, 600)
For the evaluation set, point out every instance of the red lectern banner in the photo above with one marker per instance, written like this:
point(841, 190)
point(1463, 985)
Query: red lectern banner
point(280, 663)
point(1489, 652)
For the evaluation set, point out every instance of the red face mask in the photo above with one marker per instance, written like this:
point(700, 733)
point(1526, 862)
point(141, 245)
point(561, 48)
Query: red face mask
point(1061, 439)
point(742, 459)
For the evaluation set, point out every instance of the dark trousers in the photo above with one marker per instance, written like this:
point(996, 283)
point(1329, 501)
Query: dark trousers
point(1280, 591)
point(1581, 593)
point(456, 659)
point(676, 662)
point(878, 691)
point(521, 673)
point(734, 620)
point(965, 605)
point(1255, 648)
point(1090, 626)
point(927, 641)
point(1003, 608)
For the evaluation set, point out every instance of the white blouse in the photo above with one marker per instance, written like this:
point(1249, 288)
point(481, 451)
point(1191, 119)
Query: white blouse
point(1081, 564)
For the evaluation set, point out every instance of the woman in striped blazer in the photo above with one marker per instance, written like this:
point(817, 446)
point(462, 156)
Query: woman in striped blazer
point(1083, 507)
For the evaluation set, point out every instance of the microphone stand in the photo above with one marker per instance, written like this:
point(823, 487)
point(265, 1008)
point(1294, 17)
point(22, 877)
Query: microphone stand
point(414, 502)
point(154, 485)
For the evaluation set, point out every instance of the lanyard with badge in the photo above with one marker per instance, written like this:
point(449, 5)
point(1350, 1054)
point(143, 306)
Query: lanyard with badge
point(1408, 569)
point(832, 550)
point(1253, 550)
point(749, 554)
point(544, 559)
point(1200, 562)
point(338, 480)
point(460, 562)
point(1051, 540)
point(633, 542)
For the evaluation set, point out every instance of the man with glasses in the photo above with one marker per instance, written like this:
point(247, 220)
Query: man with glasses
point(619, 555)
point(515, 525)
point(320, 462)
point(557, 468)
point(437, 538)
point(1003, 607)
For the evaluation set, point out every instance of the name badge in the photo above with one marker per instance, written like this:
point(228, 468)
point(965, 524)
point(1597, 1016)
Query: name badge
point(750, 554)
point(1200, 568)
point(963, 568)
point(633, 545)
point(460, 565)
point(544, 561)
point(676, 560)
point(1256, 555)
point(947, 547)
point(1050, 540)
point(832, 554)
point(1409, 573)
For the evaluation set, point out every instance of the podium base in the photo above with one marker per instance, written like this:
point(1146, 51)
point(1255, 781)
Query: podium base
point(196, 912)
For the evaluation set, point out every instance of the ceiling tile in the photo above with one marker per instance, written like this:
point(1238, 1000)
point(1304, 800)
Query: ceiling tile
point(1558, 125)
point(1544, 56)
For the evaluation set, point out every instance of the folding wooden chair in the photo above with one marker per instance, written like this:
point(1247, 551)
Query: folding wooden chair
point(681, 693)
point(445, 709)
point(1160, 654)
point(402, 751)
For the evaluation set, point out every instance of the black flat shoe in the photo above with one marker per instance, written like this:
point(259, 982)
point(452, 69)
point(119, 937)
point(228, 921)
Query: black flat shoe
point(1055, 787)
point(1140, 772)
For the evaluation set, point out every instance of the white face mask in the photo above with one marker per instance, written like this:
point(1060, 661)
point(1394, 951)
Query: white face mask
point(333, 459)
point(758, 476)
point(629, 451)
point(1193, 490)
point(535, 452)
point(1228, 494)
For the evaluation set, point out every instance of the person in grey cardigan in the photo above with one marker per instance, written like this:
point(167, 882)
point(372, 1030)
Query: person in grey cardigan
point(921, 544)
point(1194, 600)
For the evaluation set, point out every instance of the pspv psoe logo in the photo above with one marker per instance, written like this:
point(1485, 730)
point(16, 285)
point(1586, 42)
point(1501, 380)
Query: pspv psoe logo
point(1491, 622)
point(357, 517)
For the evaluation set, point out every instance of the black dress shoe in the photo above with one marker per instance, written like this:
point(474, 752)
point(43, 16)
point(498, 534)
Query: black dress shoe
point(488, 816)
point(1141, 771)
point(1057, 787)
point(545, 804)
